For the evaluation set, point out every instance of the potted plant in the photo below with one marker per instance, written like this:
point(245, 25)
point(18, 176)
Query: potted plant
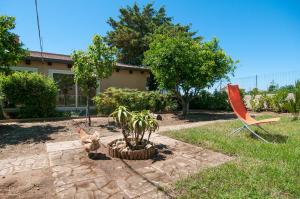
point(134, 127)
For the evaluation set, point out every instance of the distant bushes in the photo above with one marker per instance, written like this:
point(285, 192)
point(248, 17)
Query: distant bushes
point(33, 93)
point(276, 102)
point(284, 99)
point(293, 105)
point(107, 101)
point(217, 100)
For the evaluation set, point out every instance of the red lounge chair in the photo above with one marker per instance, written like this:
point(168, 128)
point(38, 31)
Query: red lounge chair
point(239, 109)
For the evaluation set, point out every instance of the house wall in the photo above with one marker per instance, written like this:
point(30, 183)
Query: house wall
point(43, 68)
point(121, 79)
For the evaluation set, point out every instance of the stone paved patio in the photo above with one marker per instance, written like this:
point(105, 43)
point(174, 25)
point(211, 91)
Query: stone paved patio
point(22, 164)
point(77, 176)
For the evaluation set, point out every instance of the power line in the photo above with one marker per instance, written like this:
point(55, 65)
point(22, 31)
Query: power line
point(39, 29)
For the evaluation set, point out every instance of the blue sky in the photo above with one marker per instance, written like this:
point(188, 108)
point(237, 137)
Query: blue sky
point(263, 34)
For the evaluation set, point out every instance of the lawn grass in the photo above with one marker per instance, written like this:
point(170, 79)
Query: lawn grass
point(260, 170)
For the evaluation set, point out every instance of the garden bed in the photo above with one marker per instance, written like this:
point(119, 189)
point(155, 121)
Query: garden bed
point(117, 149)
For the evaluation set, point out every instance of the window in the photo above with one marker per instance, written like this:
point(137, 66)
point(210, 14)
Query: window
point(66, 96)
point(69, 93)
point(82, 98)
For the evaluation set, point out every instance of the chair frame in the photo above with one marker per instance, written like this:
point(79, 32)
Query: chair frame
point(245, 124)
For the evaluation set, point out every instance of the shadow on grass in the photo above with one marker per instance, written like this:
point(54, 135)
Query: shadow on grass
point(197, 116)
point(273, 138)
point(14, 134)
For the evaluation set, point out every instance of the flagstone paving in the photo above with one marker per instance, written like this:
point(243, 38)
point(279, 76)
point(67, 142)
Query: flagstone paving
point(78, 176)
point(23, 163)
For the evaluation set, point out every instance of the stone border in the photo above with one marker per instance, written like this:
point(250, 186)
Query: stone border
point(142, 154)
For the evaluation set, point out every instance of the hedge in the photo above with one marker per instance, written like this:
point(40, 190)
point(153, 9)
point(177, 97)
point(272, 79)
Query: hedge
point(33, 93)
point(134, 100)
point(217, 100)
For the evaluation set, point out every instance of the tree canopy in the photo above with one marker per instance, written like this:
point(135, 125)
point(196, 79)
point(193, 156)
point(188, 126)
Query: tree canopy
point(132, 31)
point(186, 64)
point(11, 50)
point(94, 64)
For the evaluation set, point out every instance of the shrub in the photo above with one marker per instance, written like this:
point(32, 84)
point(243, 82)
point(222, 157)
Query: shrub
point(293, 105)
point(259, 102)
point(220, 101)
point(134, 100)
point(217, 100)
point(33, 93)
point(278, 101)
point(273, 102)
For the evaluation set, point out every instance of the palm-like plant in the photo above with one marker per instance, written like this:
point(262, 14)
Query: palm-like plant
point(293, 105)
point(135, 124)
point(139, 127)
point(122, 117)
point(152, 126)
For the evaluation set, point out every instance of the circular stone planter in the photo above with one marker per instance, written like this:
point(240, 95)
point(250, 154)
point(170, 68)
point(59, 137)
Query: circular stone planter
point(142, 154)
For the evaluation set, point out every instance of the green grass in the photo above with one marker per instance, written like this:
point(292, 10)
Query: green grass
point(260, 170)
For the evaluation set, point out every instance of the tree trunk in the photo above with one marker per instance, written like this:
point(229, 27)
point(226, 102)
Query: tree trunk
point(65, 100)
point(126, 139)
point(185, 107)
point(88, 110)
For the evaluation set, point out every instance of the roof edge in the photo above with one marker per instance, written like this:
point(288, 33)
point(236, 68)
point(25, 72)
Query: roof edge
point(66, 59)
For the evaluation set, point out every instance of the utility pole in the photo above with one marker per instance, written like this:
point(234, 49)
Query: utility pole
point(256, 81)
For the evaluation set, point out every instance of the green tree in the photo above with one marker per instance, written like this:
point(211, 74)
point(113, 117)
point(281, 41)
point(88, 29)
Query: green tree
point(11, 50)
point(131, 33)
point(273, 86)
point(186, 65)
point(92, 65)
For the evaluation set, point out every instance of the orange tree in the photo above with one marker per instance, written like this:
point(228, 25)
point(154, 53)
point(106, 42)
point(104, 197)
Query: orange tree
point(92, 65)
point(185, 64)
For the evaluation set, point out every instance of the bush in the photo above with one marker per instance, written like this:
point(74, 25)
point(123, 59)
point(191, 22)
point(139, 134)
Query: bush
point(279, 100)
point(33, 93)
point(273, 102)
point(218, 100)
point(293, 104)
point(134, 100)
point(260, 102)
